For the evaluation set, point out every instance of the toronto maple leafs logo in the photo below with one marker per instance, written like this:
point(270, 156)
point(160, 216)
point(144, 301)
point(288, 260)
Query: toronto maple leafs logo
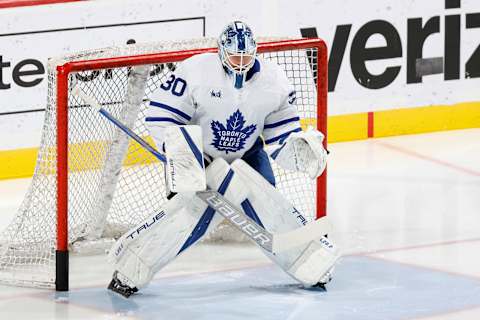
point(231, 138)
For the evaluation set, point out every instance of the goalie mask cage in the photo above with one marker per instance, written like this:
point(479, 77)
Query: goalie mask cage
point(92, 183)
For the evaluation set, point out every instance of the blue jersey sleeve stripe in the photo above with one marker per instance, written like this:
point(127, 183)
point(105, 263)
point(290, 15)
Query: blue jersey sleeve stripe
point(281, 123)
point(283, 136)
point(171, 109)
point(163, 119)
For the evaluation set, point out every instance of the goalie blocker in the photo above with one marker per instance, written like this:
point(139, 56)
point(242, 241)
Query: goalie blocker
point(155, 242)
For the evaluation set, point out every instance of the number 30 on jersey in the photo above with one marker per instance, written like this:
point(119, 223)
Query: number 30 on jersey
point(176, 85)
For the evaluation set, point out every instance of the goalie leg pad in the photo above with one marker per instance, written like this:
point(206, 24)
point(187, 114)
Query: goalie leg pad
point(153, 243)
point(306, 263)
point(158, 240)
point(314, 262)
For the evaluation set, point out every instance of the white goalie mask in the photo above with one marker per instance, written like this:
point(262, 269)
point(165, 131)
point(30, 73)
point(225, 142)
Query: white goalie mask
point(237, 49)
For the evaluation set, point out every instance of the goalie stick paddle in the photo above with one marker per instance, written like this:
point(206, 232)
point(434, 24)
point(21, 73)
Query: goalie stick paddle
point(272, 243)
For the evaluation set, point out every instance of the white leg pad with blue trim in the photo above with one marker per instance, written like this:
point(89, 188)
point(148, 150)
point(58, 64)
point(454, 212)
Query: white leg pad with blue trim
point(154, 242)
point(308, 262)
point(159, 239)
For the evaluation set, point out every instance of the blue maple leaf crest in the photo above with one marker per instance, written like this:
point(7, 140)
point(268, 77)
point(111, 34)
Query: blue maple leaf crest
point(232, 137)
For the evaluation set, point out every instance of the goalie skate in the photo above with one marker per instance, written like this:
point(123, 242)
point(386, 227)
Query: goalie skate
point(116, 285)
point(321, 284)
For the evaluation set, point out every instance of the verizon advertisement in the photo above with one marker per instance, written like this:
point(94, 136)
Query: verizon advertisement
point(384, 54)
point(399, 54)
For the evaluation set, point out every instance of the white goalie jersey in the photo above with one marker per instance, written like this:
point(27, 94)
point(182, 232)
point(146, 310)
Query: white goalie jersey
point(201, 92)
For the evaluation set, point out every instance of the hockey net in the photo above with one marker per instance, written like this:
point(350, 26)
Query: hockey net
point(90, 174)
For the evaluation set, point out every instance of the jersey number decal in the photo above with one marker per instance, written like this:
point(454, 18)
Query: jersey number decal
point(177, 85)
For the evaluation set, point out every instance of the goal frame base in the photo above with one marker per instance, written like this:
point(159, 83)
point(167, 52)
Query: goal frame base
point(61, 267)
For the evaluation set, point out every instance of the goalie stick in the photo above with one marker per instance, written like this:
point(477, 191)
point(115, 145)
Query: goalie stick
point(270, 242)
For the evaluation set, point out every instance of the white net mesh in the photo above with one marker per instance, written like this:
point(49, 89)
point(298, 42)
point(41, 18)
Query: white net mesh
point(112, 181)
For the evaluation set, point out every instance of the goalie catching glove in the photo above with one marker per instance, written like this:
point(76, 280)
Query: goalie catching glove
point(303, 151)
